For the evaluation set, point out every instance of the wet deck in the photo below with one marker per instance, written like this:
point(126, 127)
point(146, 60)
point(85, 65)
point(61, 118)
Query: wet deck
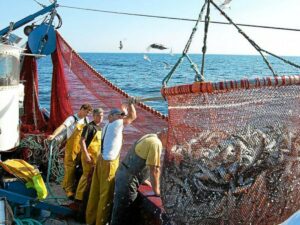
point(62, 200)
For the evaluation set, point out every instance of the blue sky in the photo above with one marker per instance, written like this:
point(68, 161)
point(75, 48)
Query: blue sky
point(88, 31)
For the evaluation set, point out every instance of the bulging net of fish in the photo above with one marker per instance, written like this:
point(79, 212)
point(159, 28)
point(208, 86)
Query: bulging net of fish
point(232, 155)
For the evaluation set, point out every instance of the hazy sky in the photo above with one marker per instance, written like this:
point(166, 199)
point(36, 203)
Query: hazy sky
point(89, 31)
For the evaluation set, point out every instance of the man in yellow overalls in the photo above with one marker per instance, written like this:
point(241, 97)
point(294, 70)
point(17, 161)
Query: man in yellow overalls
point(102, 188)
point(74, 125)
point(90, 148)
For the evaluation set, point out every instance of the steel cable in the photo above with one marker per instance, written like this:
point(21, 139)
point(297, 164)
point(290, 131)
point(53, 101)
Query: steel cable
point(178, 18)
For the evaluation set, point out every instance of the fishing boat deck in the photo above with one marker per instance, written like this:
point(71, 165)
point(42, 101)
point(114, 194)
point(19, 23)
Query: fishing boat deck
point(58, 196)
point(150, 207)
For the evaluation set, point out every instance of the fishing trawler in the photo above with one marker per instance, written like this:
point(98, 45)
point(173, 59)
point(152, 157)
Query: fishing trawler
point(232, 155)
point(26, 138)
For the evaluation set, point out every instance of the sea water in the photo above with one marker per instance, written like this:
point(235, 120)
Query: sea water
point(141, 75)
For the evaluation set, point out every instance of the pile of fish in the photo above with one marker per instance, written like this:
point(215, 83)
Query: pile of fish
point(209, 178)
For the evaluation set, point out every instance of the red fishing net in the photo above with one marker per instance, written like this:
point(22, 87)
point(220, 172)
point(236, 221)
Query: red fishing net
point(32, 120)
point(75, 83)
point(60, 107)
point(232, 155)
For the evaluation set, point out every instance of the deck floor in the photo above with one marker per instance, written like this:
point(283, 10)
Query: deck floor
point(62, 199)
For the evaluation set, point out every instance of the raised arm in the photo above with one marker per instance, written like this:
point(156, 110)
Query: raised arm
point(131, 113)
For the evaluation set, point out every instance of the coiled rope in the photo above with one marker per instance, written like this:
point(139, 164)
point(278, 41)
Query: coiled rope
point(34, 147)
point(49, 154)
point(54, 168)
point(27, 221)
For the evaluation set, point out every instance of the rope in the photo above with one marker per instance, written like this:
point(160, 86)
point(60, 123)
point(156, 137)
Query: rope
point(284, 60)
point(26, 221)
point(40, 154)
point(44, 6)
point(43, 41)
point(49, 169)
point(70, 63)
point(198, 76)
point(167, 78)
point(34, 102)
point(207, 19)
point(259, 49)
point(34, 146)
point(55, 167)
point(178, 18)
point(105, 80)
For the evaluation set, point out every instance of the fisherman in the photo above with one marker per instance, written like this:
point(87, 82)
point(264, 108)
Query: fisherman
point(73, 125)
point(90, 148)
point(102, 188)
point(142, 158)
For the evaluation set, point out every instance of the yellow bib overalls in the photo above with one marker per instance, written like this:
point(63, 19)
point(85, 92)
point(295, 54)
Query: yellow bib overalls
point(72, 154)
point(93, 150)
point(101, 195)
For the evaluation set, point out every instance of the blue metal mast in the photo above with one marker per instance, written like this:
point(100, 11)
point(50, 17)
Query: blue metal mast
point(28, 19)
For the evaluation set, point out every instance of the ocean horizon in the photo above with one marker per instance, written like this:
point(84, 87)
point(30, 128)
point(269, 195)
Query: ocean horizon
point(141, 74)
point(178, 53)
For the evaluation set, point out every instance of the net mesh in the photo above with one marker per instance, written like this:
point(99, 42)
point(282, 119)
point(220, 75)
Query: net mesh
point(83, 84)
point(32, 119)
point(232, 155)
point(60, 107)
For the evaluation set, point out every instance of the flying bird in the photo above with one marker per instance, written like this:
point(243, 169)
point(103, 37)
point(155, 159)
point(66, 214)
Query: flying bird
point(157, 46)
point(147, 58)
point(166, 65)
point(225, 4)
point(121, 45)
